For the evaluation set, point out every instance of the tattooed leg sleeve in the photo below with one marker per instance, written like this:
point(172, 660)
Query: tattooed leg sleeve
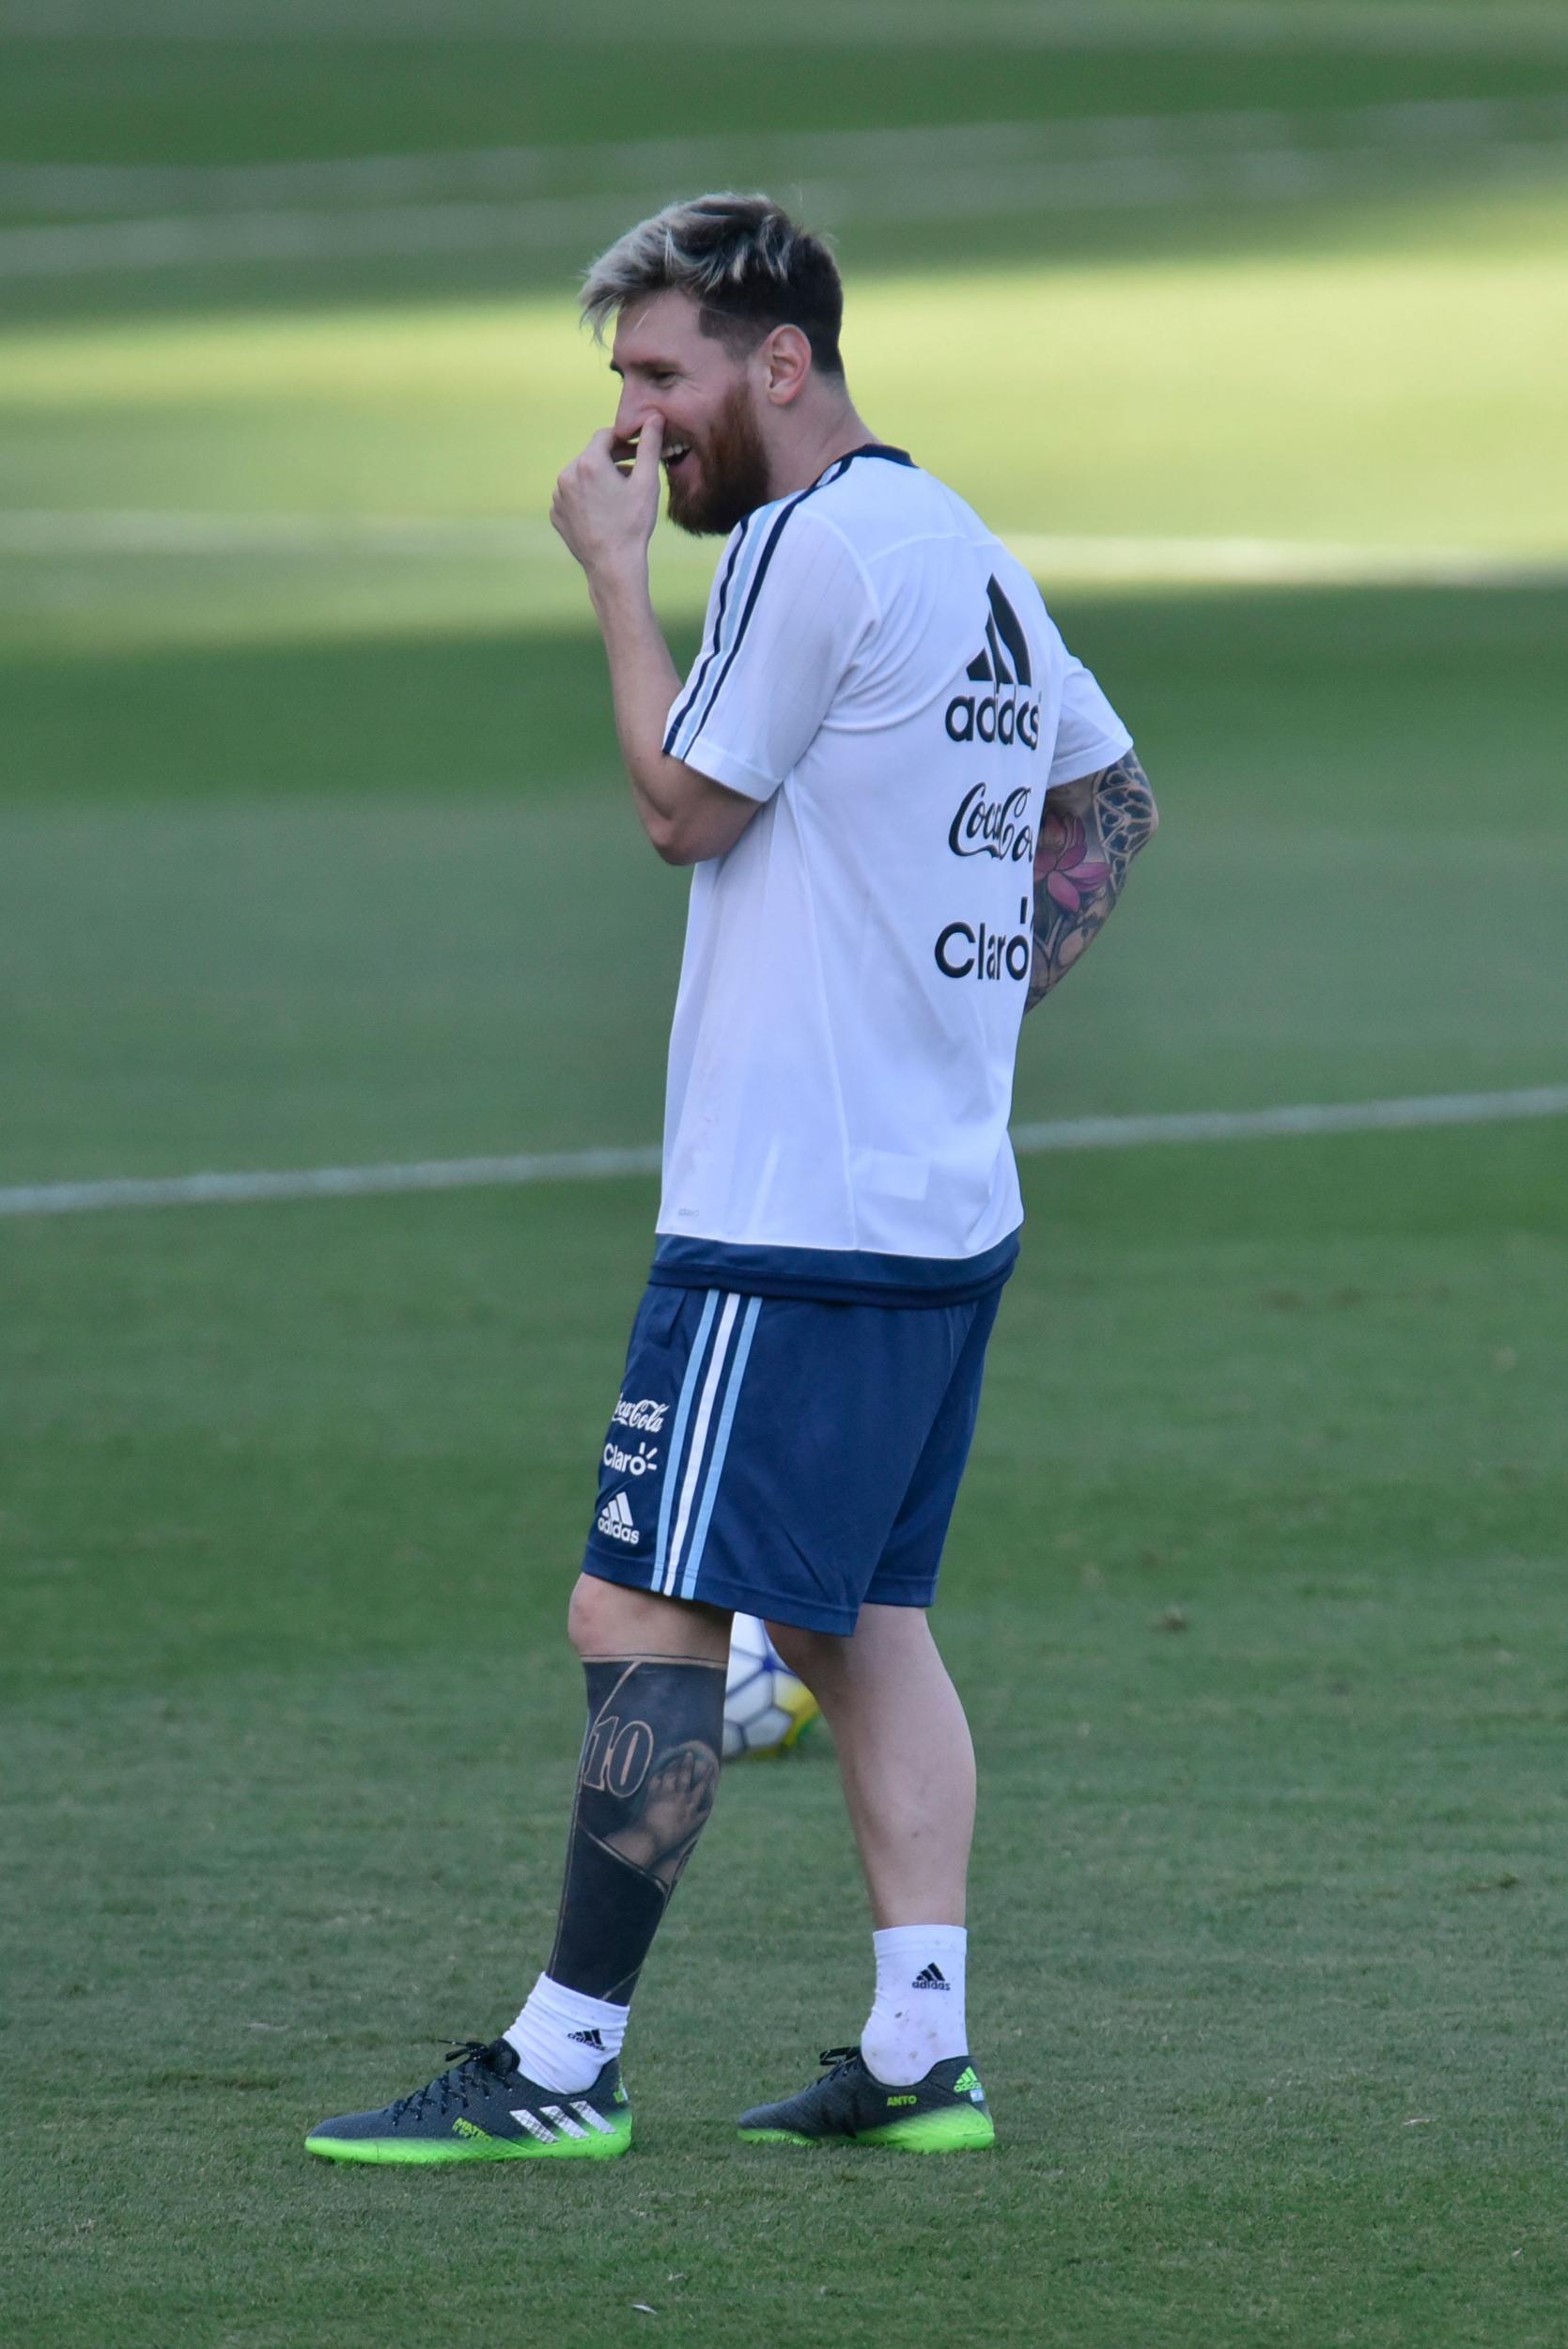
point(645, 1788)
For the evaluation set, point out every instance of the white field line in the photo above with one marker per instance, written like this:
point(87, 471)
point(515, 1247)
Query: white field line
point(1443, 26)
point(1447, 124)
point(62, 531)
point(978, 190)
point(1276, 563)
point(1055, 557)
point(584, 1166)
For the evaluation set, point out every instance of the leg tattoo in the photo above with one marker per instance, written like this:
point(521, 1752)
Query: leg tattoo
point(645, 1788)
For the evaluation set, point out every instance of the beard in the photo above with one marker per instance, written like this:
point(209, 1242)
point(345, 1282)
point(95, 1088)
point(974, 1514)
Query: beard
point(733, 472)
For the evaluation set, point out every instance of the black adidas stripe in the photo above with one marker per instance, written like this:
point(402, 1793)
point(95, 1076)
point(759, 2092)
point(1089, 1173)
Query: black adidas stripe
point(767, 552)
point(680, 718)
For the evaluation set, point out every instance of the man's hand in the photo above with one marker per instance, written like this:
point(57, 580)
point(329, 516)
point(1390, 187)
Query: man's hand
point(606, 511)
point(607, 514)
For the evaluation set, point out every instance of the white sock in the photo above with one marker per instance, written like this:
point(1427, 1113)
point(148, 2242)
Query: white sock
point(917, 2016)
point(563, 2039)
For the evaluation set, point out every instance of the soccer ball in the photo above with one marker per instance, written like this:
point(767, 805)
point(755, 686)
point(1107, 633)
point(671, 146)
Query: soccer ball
point(766, 1710)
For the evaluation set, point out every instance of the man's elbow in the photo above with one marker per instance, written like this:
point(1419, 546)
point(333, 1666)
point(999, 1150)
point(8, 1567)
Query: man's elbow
point(682, 839)
point(664, 833)
point(707, 825)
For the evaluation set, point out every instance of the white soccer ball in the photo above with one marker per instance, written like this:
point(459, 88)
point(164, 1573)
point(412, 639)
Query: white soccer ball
point(766, 1710)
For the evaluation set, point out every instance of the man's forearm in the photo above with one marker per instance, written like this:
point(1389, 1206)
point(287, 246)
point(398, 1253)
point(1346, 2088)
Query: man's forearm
point(685, 814)
point(644, 683)
point(1090, 832)
point(606, 513)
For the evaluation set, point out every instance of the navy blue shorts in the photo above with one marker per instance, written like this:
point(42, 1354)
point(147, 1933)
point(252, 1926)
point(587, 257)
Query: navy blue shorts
point(787, 1457)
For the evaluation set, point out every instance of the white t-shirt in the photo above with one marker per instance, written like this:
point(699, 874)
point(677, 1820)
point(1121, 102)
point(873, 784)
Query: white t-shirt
point(882, 676)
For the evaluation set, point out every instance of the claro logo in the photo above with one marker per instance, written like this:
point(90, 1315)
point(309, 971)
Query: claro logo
point(972, 951)
point(1001, 663)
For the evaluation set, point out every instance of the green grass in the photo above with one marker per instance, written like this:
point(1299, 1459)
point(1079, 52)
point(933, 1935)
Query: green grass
point(319, 855)
point(1269, 1906)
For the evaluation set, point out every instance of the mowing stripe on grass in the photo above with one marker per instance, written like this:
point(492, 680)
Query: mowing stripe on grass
point(539, 170)
point(586, 1166)
point(1440, 27)
point(1055, 557)
point(979, 189)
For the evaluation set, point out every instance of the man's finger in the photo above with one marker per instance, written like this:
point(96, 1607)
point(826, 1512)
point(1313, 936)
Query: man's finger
point(650, 442)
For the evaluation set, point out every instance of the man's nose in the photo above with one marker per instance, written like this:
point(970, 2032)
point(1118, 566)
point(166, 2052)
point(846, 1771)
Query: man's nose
point(632, 414)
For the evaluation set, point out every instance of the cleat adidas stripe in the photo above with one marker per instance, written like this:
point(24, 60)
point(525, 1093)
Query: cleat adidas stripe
point(535, 2127)
point(595, 2119)
point(563, 2121)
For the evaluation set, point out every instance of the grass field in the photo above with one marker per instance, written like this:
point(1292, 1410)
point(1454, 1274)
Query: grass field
point(313, 850)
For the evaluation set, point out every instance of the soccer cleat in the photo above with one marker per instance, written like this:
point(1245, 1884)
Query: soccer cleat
point(485, 2110)
point(944, 2113)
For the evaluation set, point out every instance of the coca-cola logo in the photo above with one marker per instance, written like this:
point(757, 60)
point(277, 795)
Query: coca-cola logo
point(646, 1415)
point(998, 828)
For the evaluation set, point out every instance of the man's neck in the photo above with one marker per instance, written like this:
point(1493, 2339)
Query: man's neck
point(797, 468)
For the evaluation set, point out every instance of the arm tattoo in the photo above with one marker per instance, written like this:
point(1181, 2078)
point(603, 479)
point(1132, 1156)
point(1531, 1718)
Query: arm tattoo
point(1090, 834)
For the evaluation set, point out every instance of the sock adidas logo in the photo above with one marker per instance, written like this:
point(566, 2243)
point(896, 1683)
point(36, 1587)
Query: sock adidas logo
point(588, 2039)
point(930, 1978)
point(615, 1520)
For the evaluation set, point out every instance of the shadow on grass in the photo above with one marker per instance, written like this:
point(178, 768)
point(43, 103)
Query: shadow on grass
point(1342, 704)
point(259, 100)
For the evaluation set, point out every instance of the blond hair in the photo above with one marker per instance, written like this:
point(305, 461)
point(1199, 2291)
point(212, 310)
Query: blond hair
point(746, 264)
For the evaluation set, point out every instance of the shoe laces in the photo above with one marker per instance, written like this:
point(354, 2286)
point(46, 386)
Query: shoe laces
point(468, 2057)
point(842, 2060)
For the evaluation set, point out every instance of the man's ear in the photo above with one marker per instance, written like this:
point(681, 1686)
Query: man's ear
point(786, 364)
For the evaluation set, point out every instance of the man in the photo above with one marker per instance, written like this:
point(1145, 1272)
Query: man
point(855, 768)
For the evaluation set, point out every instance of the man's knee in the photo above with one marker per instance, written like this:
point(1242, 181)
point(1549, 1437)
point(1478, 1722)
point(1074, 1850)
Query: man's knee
point(608, 1619)
point(814, 1657)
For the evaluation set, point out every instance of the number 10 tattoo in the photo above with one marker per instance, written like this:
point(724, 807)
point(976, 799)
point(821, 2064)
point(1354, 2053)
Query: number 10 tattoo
point(645, 1788)
point(1090, 832)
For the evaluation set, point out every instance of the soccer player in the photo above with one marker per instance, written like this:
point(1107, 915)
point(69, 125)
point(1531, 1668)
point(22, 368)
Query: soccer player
point(857, 770)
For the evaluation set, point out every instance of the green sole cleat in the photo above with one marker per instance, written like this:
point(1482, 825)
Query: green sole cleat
point(483, 2109)
point(944, 2113)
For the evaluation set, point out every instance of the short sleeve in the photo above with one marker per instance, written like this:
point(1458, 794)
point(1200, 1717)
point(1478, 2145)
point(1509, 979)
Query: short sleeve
point(789, 611)
point(1089, 734)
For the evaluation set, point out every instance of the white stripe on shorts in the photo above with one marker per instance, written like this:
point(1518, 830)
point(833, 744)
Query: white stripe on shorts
point(699, 1438)
point(721, 1445)
point(672, 1457)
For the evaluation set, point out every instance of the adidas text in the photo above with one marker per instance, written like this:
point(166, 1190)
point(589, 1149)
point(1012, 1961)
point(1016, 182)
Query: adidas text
point(614, 1518)
point(990, 719)
point(1003, 659)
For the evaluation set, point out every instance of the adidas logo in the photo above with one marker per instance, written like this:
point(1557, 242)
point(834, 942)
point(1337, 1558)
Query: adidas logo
point(1003, 660)
point(550, 2123)
point(615, 1520)
point(930, 1978)
point(587, 2039)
